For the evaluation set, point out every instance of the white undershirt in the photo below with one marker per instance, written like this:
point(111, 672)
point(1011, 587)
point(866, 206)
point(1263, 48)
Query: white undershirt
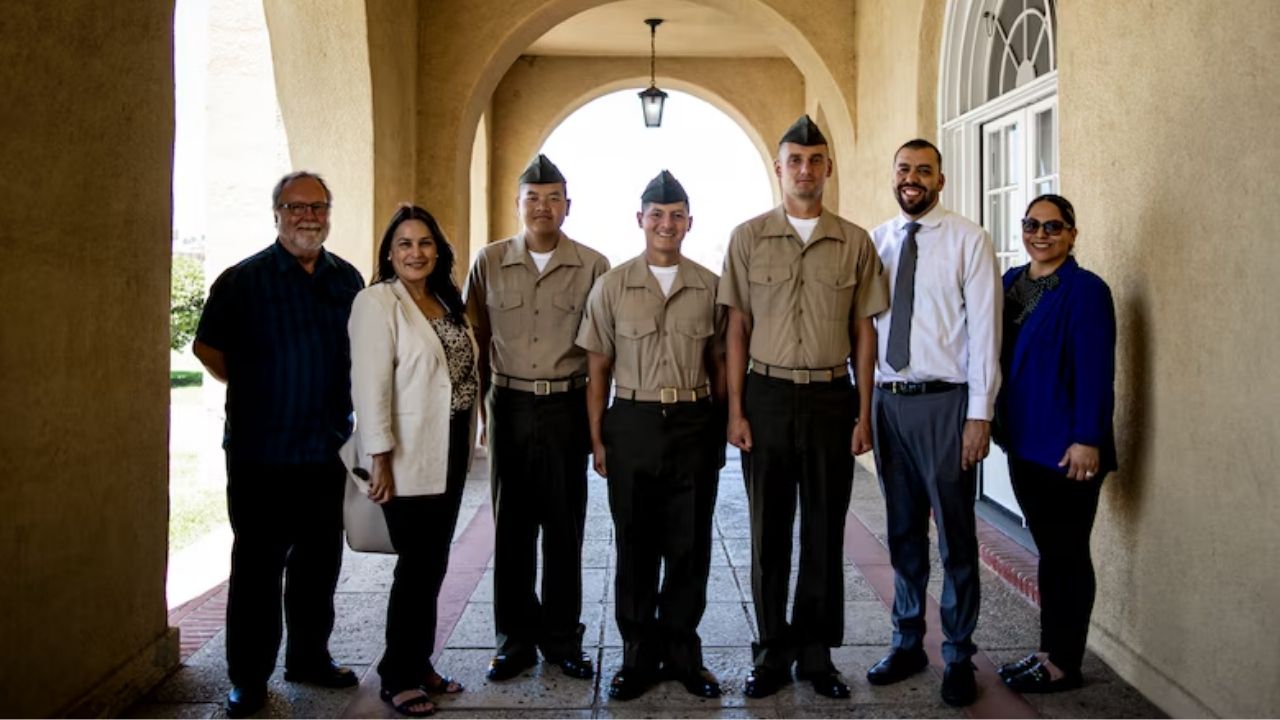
point(804, 226)
point(666, 277)
point(541, 259)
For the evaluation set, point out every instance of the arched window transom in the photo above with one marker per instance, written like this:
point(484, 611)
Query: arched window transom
point(1021, 33)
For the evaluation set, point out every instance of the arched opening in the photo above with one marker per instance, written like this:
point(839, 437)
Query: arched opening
point(230, 147)
point(608, 156)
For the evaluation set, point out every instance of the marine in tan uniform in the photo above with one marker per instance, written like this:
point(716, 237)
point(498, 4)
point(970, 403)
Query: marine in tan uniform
point(653, 324)
point(524, 299)
point(801, 285)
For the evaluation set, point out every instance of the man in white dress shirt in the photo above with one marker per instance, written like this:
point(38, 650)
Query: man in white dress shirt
point(937, 373)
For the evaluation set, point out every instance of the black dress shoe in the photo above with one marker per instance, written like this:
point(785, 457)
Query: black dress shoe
point(505, 666)
point(1036, 679)
point(828, 684)
point(763, 682)
point(702, 683)
point(579, 667)
point(629, 684)
point(1010, 669)
point(897, 666)
point(958, 686)
point(243, 702)
point(330, 675)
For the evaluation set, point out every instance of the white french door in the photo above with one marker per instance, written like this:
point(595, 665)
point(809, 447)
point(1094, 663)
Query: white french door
point(1019, 163)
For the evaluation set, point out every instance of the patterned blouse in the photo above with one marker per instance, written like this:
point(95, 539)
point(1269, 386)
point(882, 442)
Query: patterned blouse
point(462, 363)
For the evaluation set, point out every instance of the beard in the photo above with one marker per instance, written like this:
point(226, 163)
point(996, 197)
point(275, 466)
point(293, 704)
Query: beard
point(923, 203)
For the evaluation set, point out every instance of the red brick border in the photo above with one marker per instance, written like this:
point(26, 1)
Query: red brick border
point(1015, 564)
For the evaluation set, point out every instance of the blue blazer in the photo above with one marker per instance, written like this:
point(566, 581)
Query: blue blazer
point(1058, 387)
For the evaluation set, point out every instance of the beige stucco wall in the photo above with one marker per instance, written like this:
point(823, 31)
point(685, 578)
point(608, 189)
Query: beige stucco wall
point(897, 42)
point(393, 36)
point(764, 95)
point(466, 67)
point(86, 133)
point(321, 55)
point(1169, 139)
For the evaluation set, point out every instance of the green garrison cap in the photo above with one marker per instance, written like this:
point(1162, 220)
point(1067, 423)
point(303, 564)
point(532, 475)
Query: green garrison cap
point(541, 171)
point(804, 132)
point(664, 189)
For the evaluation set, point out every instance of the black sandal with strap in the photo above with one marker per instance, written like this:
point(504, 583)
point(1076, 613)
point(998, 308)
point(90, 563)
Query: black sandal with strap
point(406, 707)
point(443, 685)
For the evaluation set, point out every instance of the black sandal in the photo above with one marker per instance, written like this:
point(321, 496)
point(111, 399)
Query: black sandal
point(443, 685)
point(406, 707)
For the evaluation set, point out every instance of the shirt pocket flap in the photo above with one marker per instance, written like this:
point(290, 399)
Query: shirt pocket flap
point(769, 274)
point(835, 278)
point(633, 329)
point(505, 300)
point(567, 301)
point(694, 328)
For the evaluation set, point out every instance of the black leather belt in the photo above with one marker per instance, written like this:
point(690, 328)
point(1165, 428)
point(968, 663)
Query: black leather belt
point(800, 376)
point(540, 387)
point(918, 388)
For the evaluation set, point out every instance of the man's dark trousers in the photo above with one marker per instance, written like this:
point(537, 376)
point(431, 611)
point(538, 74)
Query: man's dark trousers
point(287, 521)
point(538, 474)
point(663, 475)
point(801, 435)
point(918, 441)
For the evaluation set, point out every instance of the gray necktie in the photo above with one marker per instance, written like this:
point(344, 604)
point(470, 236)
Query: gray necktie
point(904, 295)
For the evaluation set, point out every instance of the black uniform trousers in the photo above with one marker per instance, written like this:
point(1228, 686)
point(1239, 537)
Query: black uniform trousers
point(538, 472)
point(801, 436)
point(1060, 514)
point(287, 521)
point(421, 529)
point(663, 476)
point(918, 443)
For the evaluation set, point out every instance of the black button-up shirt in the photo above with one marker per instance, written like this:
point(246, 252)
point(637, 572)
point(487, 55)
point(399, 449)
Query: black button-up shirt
point(284, 334)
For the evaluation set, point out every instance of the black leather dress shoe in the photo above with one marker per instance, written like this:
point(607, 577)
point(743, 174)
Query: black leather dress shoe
point(629, 684)
point(330, 675)
point(828, 684)
point(505, 666)
point(1010, 669)
point(1036, 679)
point(897, 666)
point(958, 686)
point(579, 667)
point(243, 702)
point(702, 683)
point(763, 682)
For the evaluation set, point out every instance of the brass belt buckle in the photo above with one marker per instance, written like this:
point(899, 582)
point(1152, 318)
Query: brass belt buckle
point(800, 377)
point(541, 387)
point(668, 396)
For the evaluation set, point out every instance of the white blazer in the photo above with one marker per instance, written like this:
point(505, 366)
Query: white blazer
point(400, 388)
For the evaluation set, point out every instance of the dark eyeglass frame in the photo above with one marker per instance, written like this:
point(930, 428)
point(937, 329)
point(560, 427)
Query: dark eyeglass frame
point(298, 209)
point(1052, 228)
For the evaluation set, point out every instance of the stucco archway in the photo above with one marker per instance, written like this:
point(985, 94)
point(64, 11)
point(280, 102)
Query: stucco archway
point(812, 38)
point(520, 121)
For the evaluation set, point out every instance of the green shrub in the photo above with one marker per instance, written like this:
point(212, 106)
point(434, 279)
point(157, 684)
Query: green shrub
point(186, 300)
point(185, 378)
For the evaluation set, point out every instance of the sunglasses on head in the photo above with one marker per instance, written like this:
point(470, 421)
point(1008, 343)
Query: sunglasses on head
point(1052, 228)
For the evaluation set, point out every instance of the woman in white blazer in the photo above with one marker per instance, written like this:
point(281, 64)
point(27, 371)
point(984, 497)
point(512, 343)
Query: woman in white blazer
point(415, 390)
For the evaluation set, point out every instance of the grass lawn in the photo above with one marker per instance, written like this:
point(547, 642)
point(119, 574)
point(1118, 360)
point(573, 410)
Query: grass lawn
point(197, 496)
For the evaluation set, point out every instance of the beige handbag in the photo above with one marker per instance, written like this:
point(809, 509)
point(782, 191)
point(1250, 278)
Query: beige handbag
point(365, 525)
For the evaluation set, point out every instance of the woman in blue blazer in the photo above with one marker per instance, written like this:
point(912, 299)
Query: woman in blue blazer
point(1053, 419)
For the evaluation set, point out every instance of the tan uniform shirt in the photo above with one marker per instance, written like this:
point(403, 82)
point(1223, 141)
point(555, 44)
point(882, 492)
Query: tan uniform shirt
point(656, 341)
point(531, 318)
point(800, 297)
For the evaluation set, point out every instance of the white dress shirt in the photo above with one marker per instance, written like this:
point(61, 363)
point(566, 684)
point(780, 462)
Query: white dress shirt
point(956, 319)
